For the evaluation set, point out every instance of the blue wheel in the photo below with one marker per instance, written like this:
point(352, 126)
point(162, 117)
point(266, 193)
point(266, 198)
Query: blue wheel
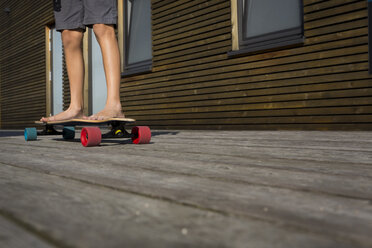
point(30, 134)
point(68, 132)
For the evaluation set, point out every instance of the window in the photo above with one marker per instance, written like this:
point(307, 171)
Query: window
point(137, 36)
point(267, 24)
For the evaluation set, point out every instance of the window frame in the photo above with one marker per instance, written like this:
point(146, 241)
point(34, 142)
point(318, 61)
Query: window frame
point(276, 40)
point(138, 67)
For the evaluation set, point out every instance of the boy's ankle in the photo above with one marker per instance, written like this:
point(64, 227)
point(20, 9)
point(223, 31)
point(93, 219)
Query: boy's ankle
point(75, 109)
point(114, 106)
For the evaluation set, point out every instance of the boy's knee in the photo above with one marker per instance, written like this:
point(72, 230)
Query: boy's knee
point(72, 38)
point(102, 30)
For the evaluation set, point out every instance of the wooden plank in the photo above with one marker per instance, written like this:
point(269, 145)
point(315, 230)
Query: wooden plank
point(189, 8)
point(86, 121)
point(290, 86)
point(254, 69)
point(66, 85)
point(202, 52)
point(194, 40)
point(206, 20)
point(269, 127)
point(337, 28)
point(13, 235)
point(87, 75)
point(335, 165)
point(315, 103)
point(171, 10)
point(261, 95)
point(324, 5)
point(267, 120)
point(163, 6)
point(311, 2)
point(332, 20)
point(239, 77)
point(104, 213)
point(194, 47)
point(272, 113)
point(234, 25)
point(344, 7)
point(121, 35)
point(199, 19)
point(300, 53)
point(16, 56)
point(171, 178)
point(191, 36)
point(246, 98)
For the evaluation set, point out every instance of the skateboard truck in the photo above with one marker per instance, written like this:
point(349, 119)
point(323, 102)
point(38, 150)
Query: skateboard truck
point(117, 131)
point(49, 130)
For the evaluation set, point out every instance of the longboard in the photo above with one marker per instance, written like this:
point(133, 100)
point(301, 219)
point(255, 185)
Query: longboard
point(84, 122)
point(91, 134)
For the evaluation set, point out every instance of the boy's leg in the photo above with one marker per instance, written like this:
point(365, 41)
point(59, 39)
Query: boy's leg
point(69, 19)
point(106, 38)
point(75, 69)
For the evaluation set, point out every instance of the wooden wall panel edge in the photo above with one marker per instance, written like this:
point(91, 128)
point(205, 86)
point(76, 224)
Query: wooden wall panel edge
point(48, 70)
point(234, 25)
point(87, 74)
point(120, 28)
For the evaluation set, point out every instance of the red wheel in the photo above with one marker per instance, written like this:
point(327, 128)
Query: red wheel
point(141, 135)
point(90, 136)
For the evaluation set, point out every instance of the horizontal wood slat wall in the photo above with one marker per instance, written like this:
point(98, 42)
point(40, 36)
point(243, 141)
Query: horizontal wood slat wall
point(66, 85)
point(194, 84)
point(22, 61)
point(323, 84)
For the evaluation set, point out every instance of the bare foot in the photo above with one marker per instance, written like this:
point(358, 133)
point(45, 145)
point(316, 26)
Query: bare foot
point(107, 113)
point(66, 115)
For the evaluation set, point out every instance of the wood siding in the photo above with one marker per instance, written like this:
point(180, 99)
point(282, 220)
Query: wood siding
point(22, 61)
point(323, 84)
point(66, 86)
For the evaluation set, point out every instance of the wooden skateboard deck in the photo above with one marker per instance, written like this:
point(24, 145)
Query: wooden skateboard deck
point(91, 134)
point(83, 122)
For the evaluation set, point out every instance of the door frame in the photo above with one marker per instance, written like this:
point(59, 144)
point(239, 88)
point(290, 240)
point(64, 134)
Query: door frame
point(48, 72)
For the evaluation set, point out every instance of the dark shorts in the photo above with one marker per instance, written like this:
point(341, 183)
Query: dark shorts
point(79, 14)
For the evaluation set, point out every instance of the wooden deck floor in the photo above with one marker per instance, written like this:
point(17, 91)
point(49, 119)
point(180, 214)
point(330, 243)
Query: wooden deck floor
point(189, 189)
